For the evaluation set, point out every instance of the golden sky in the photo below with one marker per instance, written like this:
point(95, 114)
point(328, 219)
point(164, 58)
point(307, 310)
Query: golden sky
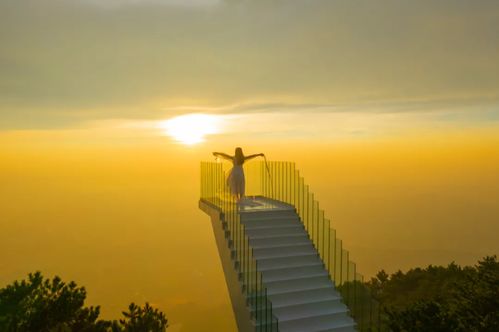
point(390, 109)
point(67, 62)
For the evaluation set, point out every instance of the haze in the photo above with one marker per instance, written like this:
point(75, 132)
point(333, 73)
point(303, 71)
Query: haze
point(390, 109)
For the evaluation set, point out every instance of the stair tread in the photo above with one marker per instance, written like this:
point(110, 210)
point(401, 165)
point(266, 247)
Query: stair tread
point(283, 276)
point(333, 301)
point(270, 217)
point(288, 261)
point(285, 254)
point(295, 279)
point(308, 312)
point(282, 245)
point(279, 246)
point(289, 238)
point(300, 284)
point(281, 231)
point(304, 302)
point(327, 293)
point(298, 278)
point(317, 323)
point(346, 328)
point(301, 233)
point(275, 226)
point(291, 265)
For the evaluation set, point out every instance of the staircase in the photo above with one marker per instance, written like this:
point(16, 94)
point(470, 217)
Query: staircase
point(280, 255)
point(302, 294)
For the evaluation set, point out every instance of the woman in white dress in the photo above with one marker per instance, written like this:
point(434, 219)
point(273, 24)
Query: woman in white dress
point(236, 175)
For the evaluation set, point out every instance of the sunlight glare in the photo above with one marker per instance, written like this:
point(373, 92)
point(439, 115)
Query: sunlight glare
point(191, 129)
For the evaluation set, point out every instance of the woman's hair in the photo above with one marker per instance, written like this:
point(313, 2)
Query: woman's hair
point(239, 156)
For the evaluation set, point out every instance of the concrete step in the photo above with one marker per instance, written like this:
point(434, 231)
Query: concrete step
point(275, 250)
point(276, 230)
point(299, 284)
point(289, 261)
point(265, 325)
point(307, 310)
point(282, 274)
point(257, 219)
point(327, 293)
point(270, 214)
point(347, 328)
point(327, 322)
point(291, 252)
point(271, 222)
point(273, 236)
point(281, 246)
point(303, 297)
point(298, 237)
point(304, 310)
point(271, 226)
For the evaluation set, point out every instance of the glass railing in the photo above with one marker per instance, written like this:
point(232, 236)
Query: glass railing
point(215, 192)
point(281, 181)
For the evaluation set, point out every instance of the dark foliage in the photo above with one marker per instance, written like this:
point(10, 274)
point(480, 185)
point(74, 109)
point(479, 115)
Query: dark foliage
point(441, 298)
point(422, 316)
point(146, 319)
point(44, 305)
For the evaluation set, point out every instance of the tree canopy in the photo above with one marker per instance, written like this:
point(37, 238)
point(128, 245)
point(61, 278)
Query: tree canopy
point(44, 305)
point(441, 299)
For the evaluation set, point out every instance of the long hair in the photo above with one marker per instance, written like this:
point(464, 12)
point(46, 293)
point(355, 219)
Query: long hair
point(239, 156)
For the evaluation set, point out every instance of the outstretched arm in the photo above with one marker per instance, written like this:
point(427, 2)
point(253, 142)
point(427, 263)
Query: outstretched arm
point(222, 155)
point(253, 156)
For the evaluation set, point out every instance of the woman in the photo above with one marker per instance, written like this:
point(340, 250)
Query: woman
point(236, 175)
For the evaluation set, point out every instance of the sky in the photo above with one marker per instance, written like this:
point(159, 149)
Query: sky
point(67, 62)
point(390, 110)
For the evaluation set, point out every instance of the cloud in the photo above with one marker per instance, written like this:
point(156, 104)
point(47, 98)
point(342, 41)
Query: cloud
point(121, 3)
point(64, 62)
point(380, 106)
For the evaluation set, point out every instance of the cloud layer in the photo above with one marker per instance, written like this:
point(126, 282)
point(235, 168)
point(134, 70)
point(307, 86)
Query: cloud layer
point(65, 62)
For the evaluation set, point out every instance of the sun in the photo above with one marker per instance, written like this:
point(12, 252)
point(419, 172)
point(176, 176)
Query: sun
point(191, 129)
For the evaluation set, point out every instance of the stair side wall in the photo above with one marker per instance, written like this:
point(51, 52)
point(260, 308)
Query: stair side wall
point(241, 312)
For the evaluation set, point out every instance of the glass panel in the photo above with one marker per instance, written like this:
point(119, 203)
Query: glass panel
point(320, 234)
point(327, 249)
point(332, 255)
point(282, 181)
point(339, 250)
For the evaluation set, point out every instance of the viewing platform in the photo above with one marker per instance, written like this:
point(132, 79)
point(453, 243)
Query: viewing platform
point(284, 267)
point(258, 204)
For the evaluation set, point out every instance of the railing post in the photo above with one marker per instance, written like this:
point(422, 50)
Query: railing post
point(256, 293)
point(281, 171)
point(328, 248)
point(288, 183)
point(247, 269)
point(294, 187)
point(267, 312)
point(313, 221)
point(341, 263)
point(323, 221)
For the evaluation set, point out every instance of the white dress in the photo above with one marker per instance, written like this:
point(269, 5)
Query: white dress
point(235, 180)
